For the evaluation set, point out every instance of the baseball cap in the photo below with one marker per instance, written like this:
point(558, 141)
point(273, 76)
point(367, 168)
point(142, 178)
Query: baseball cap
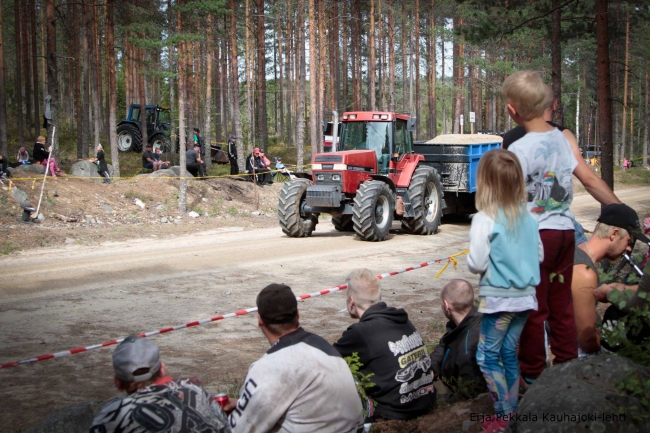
point(135, 353)
point(148, 146)
point(276, 303)
point(623, 216)
point(233, 137)
point(256, 150)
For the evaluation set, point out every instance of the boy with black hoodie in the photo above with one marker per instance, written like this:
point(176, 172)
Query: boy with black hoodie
point(391, 348)
point(454, 358)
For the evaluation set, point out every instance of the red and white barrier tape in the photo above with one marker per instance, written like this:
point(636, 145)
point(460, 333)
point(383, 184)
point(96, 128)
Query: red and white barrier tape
point(450, 259)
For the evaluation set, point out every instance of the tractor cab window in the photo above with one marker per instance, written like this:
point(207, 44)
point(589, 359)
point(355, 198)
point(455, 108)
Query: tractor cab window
point(371, 136)
point(135, 114)
point(402, 139)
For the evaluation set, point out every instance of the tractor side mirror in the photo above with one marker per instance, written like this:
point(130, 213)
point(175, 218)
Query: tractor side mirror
point(410, 124)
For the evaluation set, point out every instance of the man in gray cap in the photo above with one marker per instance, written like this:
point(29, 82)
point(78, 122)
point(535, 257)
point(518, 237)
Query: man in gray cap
point(155, 402)
point(301, 384)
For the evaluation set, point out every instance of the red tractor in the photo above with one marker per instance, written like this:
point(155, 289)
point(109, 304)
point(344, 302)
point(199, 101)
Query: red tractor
point(373, 179)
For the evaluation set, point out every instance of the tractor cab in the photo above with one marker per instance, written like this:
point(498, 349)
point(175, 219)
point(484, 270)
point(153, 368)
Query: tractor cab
point(158, 120)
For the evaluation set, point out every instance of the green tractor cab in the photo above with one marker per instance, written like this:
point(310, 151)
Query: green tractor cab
point(158, 129)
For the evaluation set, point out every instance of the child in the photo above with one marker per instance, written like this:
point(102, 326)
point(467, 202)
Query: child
point(506, 250)
point(548, 164)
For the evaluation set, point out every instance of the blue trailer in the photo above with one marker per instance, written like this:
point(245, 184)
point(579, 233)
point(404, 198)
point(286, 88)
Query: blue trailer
point(455, 157)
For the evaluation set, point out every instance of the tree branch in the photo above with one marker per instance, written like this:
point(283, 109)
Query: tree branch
point(536, 18)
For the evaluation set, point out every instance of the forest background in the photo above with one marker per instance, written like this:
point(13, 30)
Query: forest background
point(271, 72)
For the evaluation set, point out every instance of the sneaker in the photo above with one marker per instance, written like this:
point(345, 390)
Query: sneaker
point(523, 386)
point(497, 426)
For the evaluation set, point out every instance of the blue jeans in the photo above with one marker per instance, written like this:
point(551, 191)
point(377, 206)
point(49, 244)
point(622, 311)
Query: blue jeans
point(579, 233)
point(497, 358)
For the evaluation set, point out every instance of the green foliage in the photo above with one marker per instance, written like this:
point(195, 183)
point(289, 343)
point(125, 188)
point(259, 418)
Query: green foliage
point(131, 194)
point(633, 386)
point(464, 389)
point(8, 247)
point(362, 381)
point(232, 210)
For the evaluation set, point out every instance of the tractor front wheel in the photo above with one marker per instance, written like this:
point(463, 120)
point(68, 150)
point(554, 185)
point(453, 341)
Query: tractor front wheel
point(343, 223)
point(425, 192)
point(128, 138)
point(161, 141)
point(374, 206)
point(294, 221)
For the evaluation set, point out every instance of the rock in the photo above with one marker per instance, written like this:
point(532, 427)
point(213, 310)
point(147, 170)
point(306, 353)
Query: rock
point(90, 219)
point(55, 193)
point(161, 207)
point(178, 222)
point(72, 419)
point(228, 293)
point(581, 396)
point(178, 217)
point(40, 217)
point(167, 172)
point(69, 241)
point(193, 214)
point(87, 169)
point(164, 220)
point(27, 169)
point(205, 200)
point(107, 208)
point(139, 203)
point(152, 215)
point(256, 213)
point(20, 196)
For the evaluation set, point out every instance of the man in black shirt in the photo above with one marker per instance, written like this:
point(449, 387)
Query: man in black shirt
point(194, 163)
point(232, 154)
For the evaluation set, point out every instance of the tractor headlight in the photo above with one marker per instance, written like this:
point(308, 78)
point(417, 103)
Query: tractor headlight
point(336, 177)
point(317, 166)
point(340, 167)
point(320, 177)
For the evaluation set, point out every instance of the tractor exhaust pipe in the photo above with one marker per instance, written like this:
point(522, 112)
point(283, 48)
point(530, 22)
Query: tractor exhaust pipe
point(335, 131)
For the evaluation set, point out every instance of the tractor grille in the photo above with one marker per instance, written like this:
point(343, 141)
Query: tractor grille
point(328, 158)
point(326, 178)
point(324, 195)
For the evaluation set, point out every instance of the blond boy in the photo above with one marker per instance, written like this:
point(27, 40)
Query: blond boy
point(548, 165)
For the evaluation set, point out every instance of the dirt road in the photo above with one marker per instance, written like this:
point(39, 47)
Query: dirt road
point(56, 299)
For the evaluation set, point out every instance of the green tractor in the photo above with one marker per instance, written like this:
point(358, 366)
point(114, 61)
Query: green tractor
point(158, 129)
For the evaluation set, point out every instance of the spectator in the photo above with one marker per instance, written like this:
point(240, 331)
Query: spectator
point(148, 159)
point(255, 164)
point(454, 358)
point(40, 154)
point(155, 401)
point(102, 167)
point(194, 163)
point(199, 140)
point(23, 156)
point(389, 348)
point(610, 240)
point(232, 155)
point(301, 384)
point(548, 165)
point(4, 173)
point(162, 164)
point(505, 248)
point(265, 160)
point(625, 164)
point(594, 185)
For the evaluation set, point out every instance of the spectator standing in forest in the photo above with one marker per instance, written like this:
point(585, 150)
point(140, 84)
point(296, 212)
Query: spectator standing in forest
point(102, 167)
point(232, 155)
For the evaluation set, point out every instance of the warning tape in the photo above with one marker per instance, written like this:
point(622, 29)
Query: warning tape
point(74, 351)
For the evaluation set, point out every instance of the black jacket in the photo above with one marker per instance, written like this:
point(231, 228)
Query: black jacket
point(232, 150)
point(455, 356)
point(390, 347)
point(40, 154)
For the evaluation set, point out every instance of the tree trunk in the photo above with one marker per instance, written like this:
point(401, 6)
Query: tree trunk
point(52, 78)
point(3, 95)
point(357, 102)
point(417, 68)
point(96, 81)
point(250, 70)
point(431, 79)
point(322, 77)
point(19, 76)
point(443, 85)
point(182, 91)
point(112, 87)
point(300, 115)
point(372, 62)
point(78, 120)
point(404, 67)
point(556, 59)
point(391, 57)
point(261, 75)
point(313, 81)
point(37, 99)
point(207, 128)
point(234, 83)
point(344, 63)
point(24, 27)
point(646, 135)
point(604, 93)
point(85, 109)
point(626, 66)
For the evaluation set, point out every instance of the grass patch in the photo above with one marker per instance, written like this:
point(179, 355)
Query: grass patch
point(131, 194)
point(198, 209)
point(633, 176)
point(232, 210)
point(8, 248)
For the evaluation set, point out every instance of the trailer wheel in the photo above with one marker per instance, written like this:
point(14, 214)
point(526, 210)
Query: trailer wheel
point(374, 206)
point(425, 191)
point(343, 223)
point(128, 137)
point(294, 222)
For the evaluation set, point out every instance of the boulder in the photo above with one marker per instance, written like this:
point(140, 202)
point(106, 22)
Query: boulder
point(581, 396)
point(71, 419)
point(27, 169)
point(87, 169)
point(167, 172)
point(20, 196)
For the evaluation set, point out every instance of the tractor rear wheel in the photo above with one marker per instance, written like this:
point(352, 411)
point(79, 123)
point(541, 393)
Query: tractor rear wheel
point(294, 222)
point(374, 206)
point(425, 192)
point(160, 141)
point(128, 138)
point(343, 223)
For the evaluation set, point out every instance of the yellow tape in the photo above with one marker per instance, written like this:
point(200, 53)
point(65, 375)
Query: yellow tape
point(451, 259)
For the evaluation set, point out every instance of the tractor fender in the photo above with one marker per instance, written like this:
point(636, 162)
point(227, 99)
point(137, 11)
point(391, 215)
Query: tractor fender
point(303, 175)
point(130, 122)
point(387, 180)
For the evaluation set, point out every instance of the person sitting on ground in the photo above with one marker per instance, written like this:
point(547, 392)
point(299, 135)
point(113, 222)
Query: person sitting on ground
point(23, 156)
point(163, 164)
point(194, 163)
point(265, 160)
point(154, 400)
point(148, 159)
point(4, 173)
point(40, 154)
point(454, 358)
point(610, 240)
point(390, 348)
point(301, 384)
point(255, 164)
point(102, 167)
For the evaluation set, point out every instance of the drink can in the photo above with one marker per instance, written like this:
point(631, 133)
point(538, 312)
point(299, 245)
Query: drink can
point(222, 399)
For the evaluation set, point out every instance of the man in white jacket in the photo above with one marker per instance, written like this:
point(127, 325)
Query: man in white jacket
point(301, 384)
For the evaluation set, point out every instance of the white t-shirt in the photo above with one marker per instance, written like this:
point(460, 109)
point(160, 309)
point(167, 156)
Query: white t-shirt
point(548, 164)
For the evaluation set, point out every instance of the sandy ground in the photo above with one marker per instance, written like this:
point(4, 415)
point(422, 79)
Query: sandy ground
point(53, 299)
